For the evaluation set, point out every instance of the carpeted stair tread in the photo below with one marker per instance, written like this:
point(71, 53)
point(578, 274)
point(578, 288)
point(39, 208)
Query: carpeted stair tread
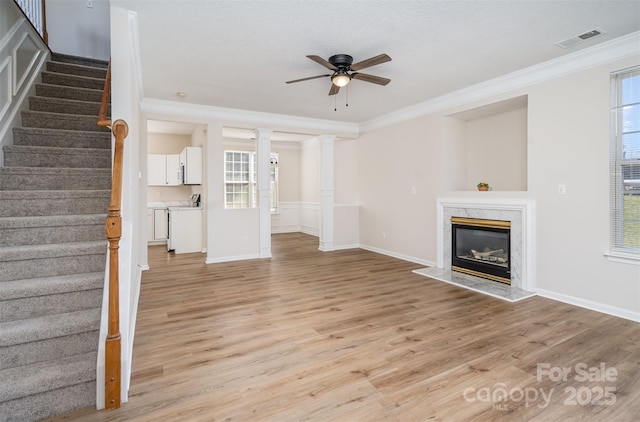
point(44, 286)
point(59, 157)
point(36, 136)
point(54, 220)
point(24, 203)
point(44, 376)
point(33, 230)
point(41, 328)
point(54, 194)
point(76, 69)
point(53, 178)
point(85, 61)
point(49, 120)
point(63, 105)
point(69, 92)
point(64, 79)
point(52, 250)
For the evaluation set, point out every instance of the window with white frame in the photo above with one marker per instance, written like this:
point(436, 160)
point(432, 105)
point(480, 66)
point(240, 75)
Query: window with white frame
point(240, 180)
point(625, 162)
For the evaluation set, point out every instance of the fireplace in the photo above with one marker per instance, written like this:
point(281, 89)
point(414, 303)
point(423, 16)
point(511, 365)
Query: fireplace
point(481, 247)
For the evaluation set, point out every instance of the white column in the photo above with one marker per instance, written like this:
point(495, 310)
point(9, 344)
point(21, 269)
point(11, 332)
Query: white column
point(326, 192)
point(263, 157)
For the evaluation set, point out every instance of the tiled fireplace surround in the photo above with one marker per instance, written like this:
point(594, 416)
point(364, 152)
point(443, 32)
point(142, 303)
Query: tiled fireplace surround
point(521, 214)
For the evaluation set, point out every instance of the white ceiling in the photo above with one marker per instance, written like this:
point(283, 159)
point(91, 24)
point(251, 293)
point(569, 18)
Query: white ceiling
point(238, 54)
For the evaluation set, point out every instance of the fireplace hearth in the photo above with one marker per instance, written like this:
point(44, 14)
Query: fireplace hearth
point(481, 247)
point(520, 213)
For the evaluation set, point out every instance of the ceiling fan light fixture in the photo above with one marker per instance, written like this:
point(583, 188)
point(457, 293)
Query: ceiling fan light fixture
point(340, 79)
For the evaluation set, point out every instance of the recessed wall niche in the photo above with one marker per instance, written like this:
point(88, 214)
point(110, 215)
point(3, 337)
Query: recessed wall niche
point(488, 144)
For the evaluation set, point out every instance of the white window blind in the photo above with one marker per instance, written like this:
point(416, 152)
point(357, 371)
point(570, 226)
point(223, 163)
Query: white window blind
point(625, 162)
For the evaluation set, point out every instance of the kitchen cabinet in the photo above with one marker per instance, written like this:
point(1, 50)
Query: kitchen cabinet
point(149, 224)
point(191, 165)
point(160, 224)
point(157, 224)
point(163, 170)
point(185, 229)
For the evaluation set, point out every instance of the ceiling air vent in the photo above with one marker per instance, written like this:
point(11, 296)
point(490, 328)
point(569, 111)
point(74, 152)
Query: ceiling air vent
point(570, 42)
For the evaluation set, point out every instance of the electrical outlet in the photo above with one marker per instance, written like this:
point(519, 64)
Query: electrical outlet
point(246, 239)
point(384, 235)
point(413, 190)
point(562, 189)
point(90, 4)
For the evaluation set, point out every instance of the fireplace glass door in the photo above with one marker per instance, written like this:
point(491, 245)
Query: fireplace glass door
point(481, 247)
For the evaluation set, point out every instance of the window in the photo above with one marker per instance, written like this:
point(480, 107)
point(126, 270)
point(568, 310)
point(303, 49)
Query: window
point(240, 180)
point(625, 162)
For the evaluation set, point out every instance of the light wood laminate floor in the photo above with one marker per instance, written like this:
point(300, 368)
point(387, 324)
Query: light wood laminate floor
point(356, 336)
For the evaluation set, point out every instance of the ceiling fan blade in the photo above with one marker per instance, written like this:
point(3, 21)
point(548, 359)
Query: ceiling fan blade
point(322, 62)
point(306, 79)
point(334, 89)
point(370, 78)
point(382, 58)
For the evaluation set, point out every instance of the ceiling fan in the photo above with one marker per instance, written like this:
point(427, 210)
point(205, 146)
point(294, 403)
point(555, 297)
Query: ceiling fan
point(344, 70)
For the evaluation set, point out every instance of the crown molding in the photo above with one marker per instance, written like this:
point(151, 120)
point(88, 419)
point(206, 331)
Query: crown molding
point(246, 118)
point(616, 49)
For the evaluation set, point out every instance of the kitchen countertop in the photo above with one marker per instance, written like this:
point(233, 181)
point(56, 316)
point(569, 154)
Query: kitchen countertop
point(168, 204)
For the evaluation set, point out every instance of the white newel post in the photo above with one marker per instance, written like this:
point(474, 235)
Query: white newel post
point(263, 155)
point(326, 192)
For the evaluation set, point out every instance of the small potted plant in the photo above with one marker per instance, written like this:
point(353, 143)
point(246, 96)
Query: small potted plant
point(483, 186)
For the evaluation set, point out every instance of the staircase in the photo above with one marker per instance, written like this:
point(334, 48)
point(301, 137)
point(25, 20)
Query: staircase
point(54, 194)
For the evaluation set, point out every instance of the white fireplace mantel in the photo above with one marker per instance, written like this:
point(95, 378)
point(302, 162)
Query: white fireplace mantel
point(521, 213)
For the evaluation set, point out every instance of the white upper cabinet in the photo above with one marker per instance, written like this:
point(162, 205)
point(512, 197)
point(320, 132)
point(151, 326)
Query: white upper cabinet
point(191, 165)
point(163, 170)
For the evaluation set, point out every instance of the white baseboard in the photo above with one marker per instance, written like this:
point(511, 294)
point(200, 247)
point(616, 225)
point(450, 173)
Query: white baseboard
point(285, 229)
point(310, 230)
point(231, 258)
point(399, 256)
point(594, 306)
point(341, 247)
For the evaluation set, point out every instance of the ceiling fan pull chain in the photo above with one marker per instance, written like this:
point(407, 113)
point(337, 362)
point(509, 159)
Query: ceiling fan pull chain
point(347, 100)
point(335, 103)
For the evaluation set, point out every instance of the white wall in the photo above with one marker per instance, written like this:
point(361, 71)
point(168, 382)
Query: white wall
point(22, 57)
point(568, 143)
point(125, 105)
point(78, 30)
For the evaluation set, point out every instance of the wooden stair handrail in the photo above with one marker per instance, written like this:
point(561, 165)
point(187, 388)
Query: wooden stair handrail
point(113, 231)
point(102, 116)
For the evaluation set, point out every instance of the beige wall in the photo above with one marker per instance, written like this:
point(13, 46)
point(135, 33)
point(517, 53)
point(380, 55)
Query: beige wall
point(288, 170)
point(346, 171)
point(310, 171)
point(162, 143)
point(568, 143)
point(497, 151)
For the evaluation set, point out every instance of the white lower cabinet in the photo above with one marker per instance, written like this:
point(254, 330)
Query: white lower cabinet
point(160, 224)
point(157, 224)
point(185, 229)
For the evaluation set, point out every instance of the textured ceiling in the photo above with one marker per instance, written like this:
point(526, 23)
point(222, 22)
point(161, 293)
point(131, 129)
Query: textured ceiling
point(238, 54)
